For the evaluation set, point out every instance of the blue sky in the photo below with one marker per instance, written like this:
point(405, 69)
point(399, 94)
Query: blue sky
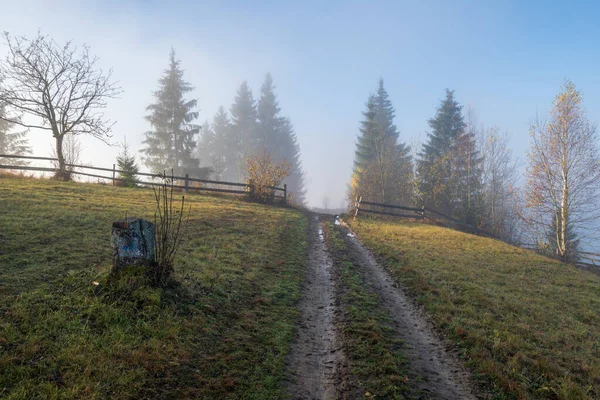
point(506, 59)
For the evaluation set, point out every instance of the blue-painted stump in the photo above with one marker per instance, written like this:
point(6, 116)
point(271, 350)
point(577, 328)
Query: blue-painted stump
point(132, 242)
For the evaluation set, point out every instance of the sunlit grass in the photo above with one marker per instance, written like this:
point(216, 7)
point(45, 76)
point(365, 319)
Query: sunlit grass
point(375, 359)
point(224, 332)
point(527, 325)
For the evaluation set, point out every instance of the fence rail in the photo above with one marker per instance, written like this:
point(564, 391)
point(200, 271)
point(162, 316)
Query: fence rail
point(224, 187)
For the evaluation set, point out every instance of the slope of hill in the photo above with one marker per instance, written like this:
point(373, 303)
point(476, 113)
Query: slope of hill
point(223, 332)
point(528, 326)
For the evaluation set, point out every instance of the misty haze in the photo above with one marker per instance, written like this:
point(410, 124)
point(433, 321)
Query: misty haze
point(269, 200)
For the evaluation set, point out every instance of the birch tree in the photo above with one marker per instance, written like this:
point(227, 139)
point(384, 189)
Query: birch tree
point(563, 185)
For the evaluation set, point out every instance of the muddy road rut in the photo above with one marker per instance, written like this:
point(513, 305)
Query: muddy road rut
point(314, 358)
point(316, 363)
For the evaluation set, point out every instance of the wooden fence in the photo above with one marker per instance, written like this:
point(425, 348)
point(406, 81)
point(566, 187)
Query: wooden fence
point(416, 213)
point(587, 260)
point(188, 182)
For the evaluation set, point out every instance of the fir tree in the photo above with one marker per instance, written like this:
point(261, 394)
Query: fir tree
point(450, 166)
point(434, 167)
point(221, 156)
point(275, 134)
point(382, 165)
point(127, 165)
point(172, 142)
point(13, 143)
point(241, 136)
point(213, 148)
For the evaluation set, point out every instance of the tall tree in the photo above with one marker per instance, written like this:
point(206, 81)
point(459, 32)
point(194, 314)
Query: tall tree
point(172, 141)
point(467, 164)
point(563, 185)
point(435, 165)
point(213, 149)
point(60, 86)
point(382, 164)
point(12, 143)
point(242, 139)
point(275, 134)
point(500, 200)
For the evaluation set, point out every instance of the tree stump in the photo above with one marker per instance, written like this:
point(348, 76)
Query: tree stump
point(132, 242)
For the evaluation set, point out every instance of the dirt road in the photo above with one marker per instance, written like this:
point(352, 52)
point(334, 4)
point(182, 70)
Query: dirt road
point(313, 360)
point(316, 360)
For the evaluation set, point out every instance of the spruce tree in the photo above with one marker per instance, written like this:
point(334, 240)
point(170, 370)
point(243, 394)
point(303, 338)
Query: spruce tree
point(204, 148)
point(172, 141)
point(450, 166)
point(127, 165)
point(382, 164)
point(13, 143)
point(275, 134)
point(241, 136)
point(213, 150)
point(434, 167)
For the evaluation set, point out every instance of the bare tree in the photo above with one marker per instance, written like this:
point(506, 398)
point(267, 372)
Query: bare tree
point(564, 174)
point(59, 86)
point(500, 192)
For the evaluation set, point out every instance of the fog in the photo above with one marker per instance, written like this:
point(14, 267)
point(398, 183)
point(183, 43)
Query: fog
point(325, 61)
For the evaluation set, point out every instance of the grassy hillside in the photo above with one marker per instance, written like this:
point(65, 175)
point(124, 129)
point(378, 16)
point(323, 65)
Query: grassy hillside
point(224, 332)
point(528, 325)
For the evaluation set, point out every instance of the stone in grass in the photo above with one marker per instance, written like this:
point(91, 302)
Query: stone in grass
point(132, 242)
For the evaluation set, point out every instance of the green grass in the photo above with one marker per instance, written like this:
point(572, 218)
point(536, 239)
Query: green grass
point(377, 367)
point(223, 332)
point(528, 326)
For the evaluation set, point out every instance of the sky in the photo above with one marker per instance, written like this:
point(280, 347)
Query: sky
point(506, 59)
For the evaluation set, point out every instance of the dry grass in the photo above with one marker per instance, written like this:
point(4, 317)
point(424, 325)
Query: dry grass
point(527, 325)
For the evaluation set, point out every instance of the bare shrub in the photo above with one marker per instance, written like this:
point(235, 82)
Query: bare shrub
point(170, 226)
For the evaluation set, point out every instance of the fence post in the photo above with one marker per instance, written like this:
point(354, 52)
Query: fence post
point(251, 188)
point(187, 183)
point(423, 213)
point(285, 193)
point(114, 173)
point(358, 200)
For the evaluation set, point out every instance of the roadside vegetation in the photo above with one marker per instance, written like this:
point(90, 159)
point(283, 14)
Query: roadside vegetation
point(222, 331)
point(527, 325)
point(376, 367)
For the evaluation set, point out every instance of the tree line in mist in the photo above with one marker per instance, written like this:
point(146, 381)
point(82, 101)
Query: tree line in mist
point(60, 89)
point(463, 169)
point(467, 171)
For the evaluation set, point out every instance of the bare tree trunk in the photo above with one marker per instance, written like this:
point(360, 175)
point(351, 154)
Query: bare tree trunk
point(62, 168)
point(564, 217)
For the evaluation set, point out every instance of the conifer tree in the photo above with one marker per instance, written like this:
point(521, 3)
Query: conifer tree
point(13, 143)
point(213, 148)
point(382, 164)
point(275, 134)
point(241, 135)
point(434, 168)
point(172, 141)
point(127, 165)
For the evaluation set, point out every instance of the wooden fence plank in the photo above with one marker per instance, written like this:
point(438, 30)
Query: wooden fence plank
point(416, 216)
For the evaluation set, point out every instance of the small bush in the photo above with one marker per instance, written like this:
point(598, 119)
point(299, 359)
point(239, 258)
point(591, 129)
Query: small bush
point(262, 174)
